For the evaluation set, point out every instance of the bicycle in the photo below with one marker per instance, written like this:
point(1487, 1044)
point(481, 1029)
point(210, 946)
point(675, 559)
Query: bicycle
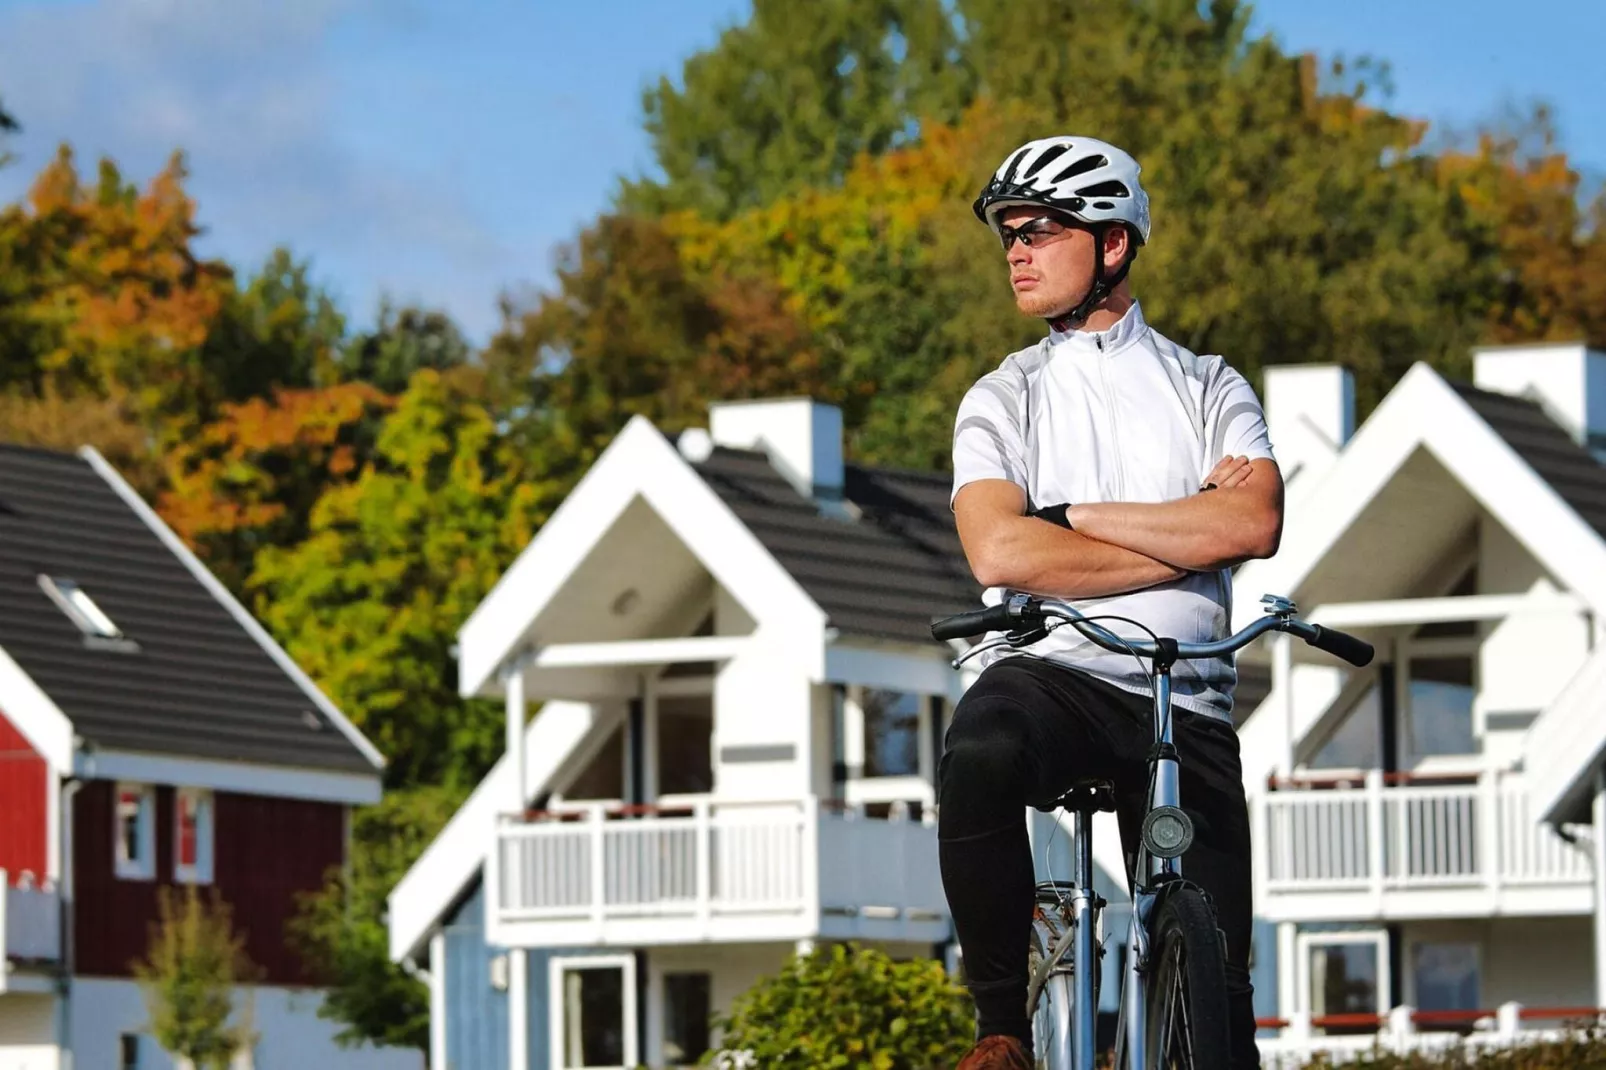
point(1173, 1006)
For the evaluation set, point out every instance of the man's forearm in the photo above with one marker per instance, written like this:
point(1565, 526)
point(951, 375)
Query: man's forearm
point(1040, 558)
point(1203, 532)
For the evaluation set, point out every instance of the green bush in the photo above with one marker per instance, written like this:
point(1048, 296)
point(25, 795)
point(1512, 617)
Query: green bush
point(846, 1007)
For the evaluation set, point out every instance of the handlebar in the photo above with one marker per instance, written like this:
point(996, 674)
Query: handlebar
point(1023, 615)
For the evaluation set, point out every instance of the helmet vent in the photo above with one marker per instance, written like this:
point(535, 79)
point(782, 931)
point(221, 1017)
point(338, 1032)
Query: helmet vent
point(1050, 154)
point(1104, 205)
point(1112, 188)
point(1014, 164)
point(1082, 167)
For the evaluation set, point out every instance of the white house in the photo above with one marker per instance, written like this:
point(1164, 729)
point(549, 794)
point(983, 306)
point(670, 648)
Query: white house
point(741, 709)
point(1424, 827)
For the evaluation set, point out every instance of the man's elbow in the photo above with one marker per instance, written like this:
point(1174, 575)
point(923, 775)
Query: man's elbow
point(991, 567)
point(1264, 535)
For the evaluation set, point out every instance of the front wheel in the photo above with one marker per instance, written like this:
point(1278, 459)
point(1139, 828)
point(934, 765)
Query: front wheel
point(1185, 1020)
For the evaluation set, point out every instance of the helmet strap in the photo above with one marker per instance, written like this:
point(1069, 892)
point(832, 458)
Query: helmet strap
point(1102, 287)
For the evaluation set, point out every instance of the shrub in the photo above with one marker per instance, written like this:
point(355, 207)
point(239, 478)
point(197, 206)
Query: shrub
point(851, 1008)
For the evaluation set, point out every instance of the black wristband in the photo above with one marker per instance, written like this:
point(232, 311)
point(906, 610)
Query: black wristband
point(1054, 514)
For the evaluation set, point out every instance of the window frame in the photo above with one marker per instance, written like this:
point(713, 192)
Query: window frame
point(1411, 649)
point(123, 867)
point(557, 966)
point(1309, 939)
point(203, 871)
point(857, 788)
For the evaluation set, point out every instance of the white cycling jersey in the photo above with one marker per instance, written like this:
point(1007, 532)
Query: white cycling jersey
point(1123, 415)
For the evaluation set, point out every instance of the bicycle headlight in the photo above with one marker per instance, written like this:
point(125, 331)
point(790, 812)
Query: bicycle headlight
point(1167, 832)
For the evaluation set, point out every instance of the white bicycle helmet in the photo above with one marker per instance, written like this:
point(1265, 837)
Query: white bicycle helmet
point(1085, 178)
point(1089, 180)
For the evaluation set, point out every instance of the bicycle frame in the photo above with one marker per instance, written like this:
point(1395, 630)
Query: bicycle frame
point(1076, 1050)
point(1024, 620)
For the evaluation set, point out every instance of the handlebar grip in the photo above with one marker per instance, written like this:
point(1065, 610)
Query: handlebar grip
point(975, 622)
point(1358, 652)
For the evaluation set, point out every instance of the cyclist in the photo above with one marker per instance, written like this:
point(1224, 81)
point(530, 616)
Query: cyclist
point(1108, 466)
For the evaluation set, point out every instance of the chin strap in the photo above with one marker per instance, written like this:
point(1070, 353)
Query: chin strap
point(1101, 288)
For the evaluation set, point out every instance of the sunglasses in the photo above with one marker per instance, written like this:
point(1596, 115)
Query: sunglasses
point(1032, 232)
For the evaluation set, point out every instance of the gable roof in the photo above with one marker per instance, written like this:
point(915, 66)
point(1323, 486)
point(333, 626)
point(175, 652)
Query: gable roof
point(204, 681)
point(1569, 469)
point(1513, 459)
point(885, 575)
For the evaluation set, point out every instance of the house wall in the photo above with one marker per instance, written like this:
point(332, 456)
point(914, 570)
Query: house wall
point(266, 851)
point(291, 1035)
point(27, 1032)
point(1538, 962)
point(476, 1012)
point(24, 805)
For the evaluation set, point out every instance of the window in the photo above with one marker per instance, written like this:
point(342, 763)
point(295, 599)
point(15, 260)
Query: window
point(604, 776)
point(128, 1052)
point(1445, 976)
point(1440, 699)
point(135, 832)
point(686, 1015)
point(891, 732)
point(1355, 743)
point(1344, 973)
point(192, 836)
point(593, 1013)
point(98, 628)
point(685, 740)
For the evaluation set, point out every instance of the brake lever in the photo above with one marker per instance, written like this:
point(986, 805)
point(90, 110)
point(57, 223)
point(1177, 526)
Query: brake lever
point(1010, 639)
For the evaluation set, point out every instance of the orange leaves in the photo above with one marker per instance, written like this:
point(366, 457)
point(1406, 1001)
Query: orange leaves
point(125, 302)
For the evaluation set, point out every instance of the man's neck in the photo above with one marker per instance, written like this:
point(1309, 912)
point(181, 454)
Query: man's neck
point(1108, 313)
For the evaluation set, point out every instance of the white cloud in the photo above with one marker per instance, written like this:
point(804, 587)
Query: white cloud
point(250, 90)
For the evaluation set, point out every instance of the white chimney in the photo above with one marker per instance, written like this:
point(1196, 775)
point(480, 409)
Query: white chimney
point(802, 437)
point(1567, 380)
point(1310, 415)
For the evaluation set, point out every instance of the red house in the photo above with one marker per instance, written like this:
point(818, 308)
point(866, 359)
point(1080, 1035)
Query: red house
point(151, 733)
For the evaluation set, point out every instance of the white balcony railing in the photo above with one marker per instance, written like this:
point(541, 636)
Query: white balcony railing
point(1392, 834)
point(30, 921)
point(712, 868)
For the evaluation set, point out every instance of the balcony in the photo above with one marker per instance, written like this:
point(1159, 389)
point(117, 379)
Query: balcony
point(1390, 847)
point(30, 925)
point(701, 869)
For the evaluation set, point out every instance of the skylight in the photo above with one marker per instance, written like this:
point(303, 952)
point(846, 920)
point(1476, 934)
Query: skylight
point(81, 609)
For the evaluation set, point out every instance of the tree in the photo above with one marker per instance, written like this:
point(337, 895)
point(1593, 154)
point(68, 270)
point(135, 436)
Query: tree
point(630, 332)
point(280, 331)
point(395, 560)
point(51, 420)
point(105, 296)
point(849, 1006)
point(251, 477)
point(404, 341)
point(188, 978)
point(340, 931)
point(793, 96)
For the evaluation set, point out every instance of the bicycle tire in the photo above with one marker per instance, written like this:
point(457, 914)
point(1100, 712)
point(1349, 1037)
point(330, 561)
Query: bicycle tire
point(1053, 1010)
point(1188, 976)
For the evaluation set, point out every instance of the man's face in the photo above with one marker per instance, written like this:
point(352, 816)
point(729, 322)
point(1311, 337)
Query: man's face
point(1054, 273)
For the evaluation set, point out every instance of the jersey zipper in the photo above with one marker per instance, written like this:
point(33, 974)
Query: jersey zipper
point(1115, 428)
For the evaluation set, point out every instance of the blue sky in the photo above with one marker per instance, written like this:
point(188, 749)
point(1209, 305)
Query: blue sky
point(440, 151)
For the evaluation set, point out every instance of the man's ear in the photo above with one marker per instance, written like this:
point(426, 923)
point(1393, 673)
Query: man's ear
point(1117, 243)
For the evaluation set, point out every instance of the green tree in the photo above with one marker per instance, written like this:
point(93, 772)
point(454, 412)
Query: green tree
point(188, 977)
point(394, 562)
point(850, 1006)
point(793, 96)
point(280, 331)
point(340, 931)
point(403, 341)
point(630, 331)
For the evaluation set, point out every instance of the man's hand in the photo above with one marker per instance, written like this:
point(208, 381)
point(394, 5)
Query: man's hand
point(1228, 472)
point(1238, 518)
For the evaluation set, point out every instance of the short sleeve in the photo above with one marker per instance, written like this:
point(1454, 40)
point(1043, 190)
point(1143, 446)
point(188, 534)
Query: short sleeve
point(988, 439)
point(1235, 423)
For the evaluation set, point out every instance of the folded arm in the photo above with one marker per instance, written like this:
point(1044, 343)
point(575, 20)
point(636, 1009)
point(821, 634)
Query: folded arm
point(1006, 548)
point(1212, 530)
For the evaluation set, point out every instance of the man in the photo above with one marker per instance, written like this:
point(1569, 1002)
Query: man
point(1108, 466)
